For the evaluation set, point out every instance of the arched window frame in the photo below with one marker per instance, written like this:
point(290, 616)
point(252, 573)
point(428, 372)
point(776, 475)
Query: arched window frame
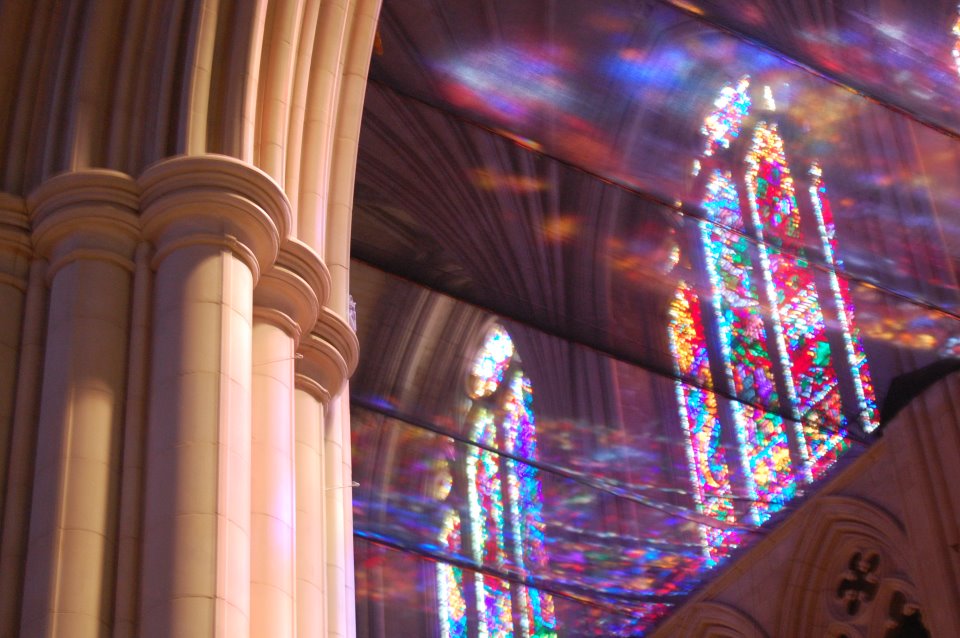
point(783, 363)
point(503, 524)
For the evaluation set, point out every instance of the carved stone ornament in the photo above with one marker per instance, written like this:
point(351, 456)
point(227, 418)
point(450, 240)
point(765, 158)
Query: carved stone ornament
point(859, 582)
point(905, 619)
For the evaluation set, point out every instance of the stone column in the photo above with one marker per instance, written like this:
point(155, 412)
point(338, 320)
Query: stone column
point(15, 254)
point(129, 526)
point(216, 223)
point(286, 299)
point(310, 399)
point(341, 348)
point(346, 452)
point(23, 438)
point(85, 224)
point(328, 359)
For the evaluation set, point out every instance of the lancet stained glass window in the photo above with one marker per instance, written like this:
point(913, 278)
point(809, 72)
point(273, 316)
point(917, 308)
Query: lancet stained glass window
point(504, 521)
point(706, 457)
point(767, 309)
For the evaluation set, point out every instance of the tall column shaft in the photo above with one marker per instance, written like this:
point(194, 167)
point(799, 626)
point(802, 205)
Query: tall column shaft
point(85, 223)
point(346, 450)
point(216, 224)
point(197, 518)
point(287, 301)
point(16, 513)
point(335, 493)
point(272, 498)
point(130, 524)
point(15, 254)
point(311, 582)
point(329, 357)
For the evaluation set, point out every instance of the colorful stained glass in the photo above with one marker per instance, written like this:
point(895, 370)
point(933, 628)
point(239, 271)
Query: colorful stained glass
point(856, 357)
point(768, 324)
point(504, 499)
point(956, 42)
point(452, 607)
point(536, 608)
point(491, 363)
point(699, 415)
point(765, 451)
point(723, 125)
point(766, 456)
point(799, 325)
point(730, 267)
point(486, 493)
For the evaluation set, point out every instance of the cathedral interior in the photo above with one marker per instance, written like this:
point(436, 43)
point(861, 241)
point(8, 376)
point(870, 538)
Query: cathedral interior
point(479, 318)
point(632, 279)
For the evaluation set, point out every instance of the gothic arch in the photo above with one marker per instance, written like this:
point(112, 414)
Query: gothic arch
point(850, 559)
point(718, 620)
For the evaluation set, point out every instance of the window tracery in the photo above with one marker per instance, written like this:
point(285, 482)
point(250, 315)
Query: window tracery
point(762, 319)
point(504, 520)
point(859, 582)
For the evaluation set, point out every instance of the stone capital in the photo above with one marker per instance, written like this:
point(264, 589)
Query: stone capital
point(89, 214)
point(214, 200)
point(294, 288)
point(329, 354)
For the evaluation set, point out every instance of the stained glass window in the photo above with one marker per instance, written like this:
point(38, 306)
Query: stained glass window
point(853, 345)
point(504, 518)
point(706, 457)
point(723, 124)
point(742, 336)
point(452, 607)
point(802, 342)
point(766, 307)
point(491, 363)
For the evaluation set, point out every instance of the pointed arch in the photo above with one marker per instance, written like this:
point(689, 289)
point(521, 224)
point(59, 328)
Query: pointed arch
point(761, 321)
point(503, 523)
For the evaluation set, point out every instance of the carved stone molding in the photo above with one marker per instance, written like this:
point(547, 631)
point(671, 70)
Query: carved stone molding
point(848, 547)
point(858, 584)
point(338, 332)
point(718, 620)
point(903, 619)
point(295, 287)
point(218, 200)
point(926, 437)
point(841, 630)
point(90, 214)
point(329, 355)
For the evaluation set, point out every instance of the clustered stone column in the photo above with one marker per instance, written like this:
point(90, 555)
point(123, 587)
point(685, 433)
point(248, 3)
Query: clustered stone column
point(216, 226)
point(162, 456)
point(288, 298)
point(341, 348)
point(329, 355)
